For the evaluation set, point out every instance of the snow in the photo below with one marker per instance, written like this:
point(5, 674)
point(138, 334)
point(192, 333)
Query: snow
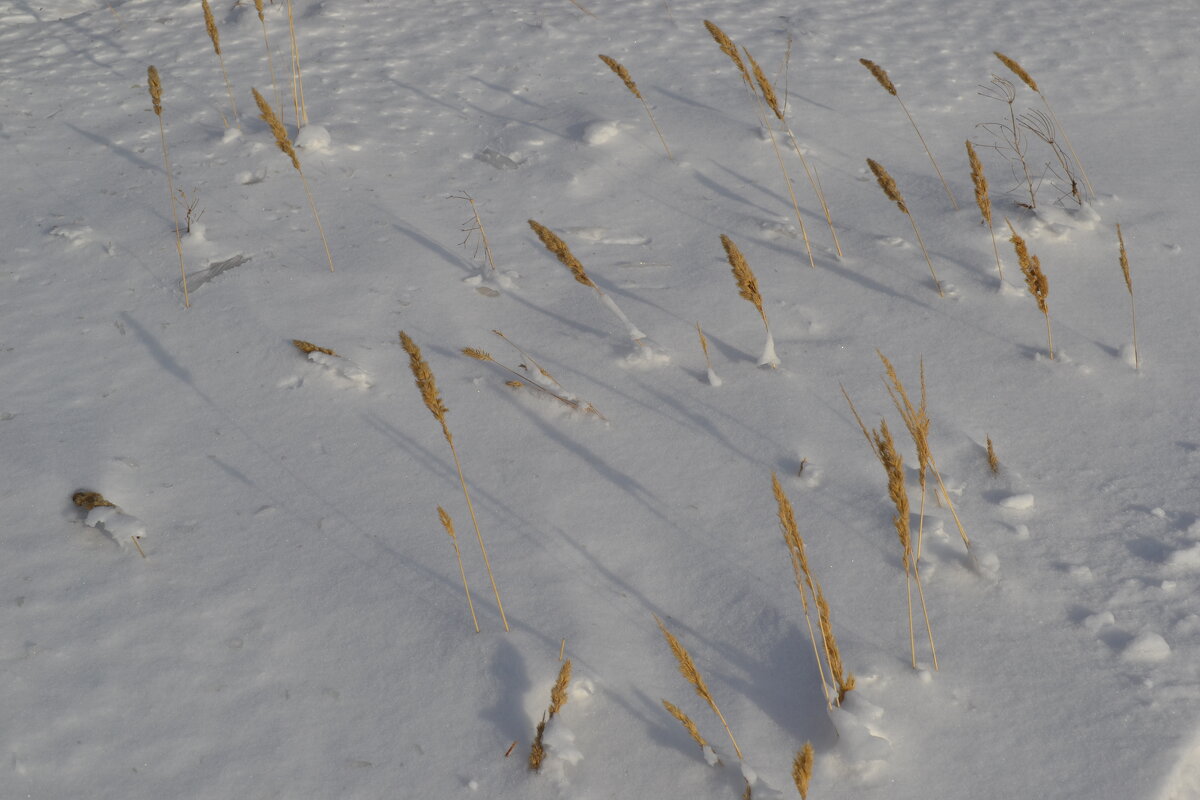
point(298, 626)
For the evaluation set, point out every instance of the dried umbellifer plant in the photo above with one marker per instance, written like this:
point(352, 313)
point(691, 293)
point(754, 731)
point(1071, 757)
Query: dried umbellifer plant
point(1010, 140)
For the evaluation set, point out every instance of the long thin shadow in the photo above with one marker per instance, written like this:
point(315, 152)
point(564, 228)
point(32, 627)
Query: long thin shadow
point(507, 668)
point(123, 152)
point(480, 110)
point(435, 247)
point(727, 193)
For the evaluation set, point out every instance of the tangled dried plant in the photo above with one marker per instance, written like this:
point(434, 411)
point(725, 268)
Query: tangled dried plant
point(881, 76)
point(155, 84)
point(624, 75)
point(531, 380)
point(687, 668)
point(432, 398)
point(892, 191)
point(748, 288)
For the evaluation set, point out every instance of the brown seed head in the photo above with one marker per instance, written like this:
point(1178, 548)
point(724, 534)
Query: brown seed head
point(155, 89)
point(880, 75)
point(915, 419)
point(210, 24)
point(746, 282)
point(982, 199)
point(1031, 268)
point(833, 655)
point(425, 382)
point(802, 769)
point(888, 184)
point(1124, 261)
point(1018, 71)
point(993, 459)
point(90, 500)
point(764, 85)
point(272, 119)
point(258, 6)
point(623, 74)
point(558, 695)
point(686, 722)
point(687, 667)
point(885, 446)
point(793, 540)
point(309, 347)
point(477, 354)
point(728, 48)
point(563, 253)
point(448, 524)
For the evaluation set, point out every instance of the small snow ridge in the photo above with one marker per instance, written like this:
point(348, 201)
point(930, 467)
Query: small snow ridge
point(1018, 502)
point(314, 139)
point(122, 527)
point(1147, 647)
point(598, 133)
point(75, 234)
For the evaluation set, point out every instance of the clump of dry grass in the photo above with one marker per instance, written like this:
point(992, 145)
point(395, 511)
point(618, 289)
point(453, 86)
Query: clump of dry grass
point(624, 75)
point(892, 191)
point(839, 681)
point(210, 24)
point(983, 200)
point(559, 248)
point(448, 524)
point(687, 668)
point(558, 699)
point(881, 76)
point(155, 84)
point(1032, 84)
point(1035, 281)
point(258, 6)
point(748, 288)
point(285, 146)
point(432, 398)
point(1124, 259)
point(992, 459)
point(88, 500)
point(802, 768)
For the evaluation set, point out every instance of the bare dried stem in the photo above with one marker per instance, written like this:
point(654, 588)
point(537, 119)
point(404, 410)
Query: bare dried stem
point(888, 185)
point(155, 84)
point(624, 75)
point(448, 524)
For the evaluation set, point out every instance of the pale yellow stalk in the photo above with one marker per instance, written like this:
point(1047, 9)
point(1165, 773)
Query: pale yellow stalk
point(892, 191)
point(156, 98)
point(448, 524)
point(624, 75)
point(210, 24)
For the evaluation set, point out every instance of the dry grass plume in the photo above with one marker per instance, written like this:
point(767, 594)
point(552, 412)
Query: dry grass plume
point(802, 768)
point(558, 699)
point(748, 289)
point(1035, 281)
point(210, 24)
point(687, 668)
point(983, 200)
point(448, 524)
point(624, 75)
point(892, 192)
point(992, 459)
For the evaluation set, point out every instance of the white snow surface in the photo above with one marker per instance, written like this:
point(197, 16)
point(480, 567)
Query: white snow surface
point(298, 627)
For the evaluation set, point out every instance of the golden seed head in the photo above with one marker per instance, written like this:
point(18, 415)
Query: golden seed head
point(1031, 267)
point(703, 340)
point(563, 253)
point(993, 459)
point(746, 282)
point(1124, 261)
point(982, 199)
point(90, 500)
point(768, 91)
point(687, 667)
point(915, 419)
point(425, 381)
point(623, 74)
point(558, 695)
point(880, 75)
point(728, 48)
point(686, 722)
point(272, 119)
point(888, 184)
point(258, 6)
point(885, 446)
point(155, 89)
point(1018, 71)
point(477, 354)
point(447, 523)
point(802, 769)
point(514, 384)
point(210, 25)
point(309, 347)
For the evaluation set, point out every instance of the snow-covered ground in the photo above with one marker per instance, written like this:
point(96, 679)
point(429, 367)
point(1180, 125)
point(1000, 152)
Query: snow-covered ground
point(297, 627)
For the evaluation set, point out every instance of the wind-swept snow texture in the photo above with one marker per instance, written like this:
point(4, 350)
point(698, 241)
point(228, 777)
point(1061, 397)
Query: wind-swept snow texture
point(298, 627)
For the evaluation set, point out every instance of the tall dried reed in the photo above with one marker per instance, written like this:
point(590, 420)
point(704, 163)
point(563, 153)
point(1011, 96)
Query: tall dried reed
point(448, 524)
point(156, 98)
point(748, 288)
point(551, 241)
point(1124, 258)
point(297, 81)
point(285, 146)
point(881, 75)
point(1035, 281)
point(258, 6)
point(687, 668)
point(1032, 84)
point(426, 383)
point(624, 75)
point(983, 200)
point(888, 185)
point(210, 24)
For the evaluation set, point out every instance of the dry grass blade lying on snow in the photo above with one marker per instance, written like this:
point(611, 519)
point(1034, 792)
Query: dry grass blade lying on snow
point(1124, 258)
point(881, 75)
point(531, 380)
point(559, 248)
point(983, 200)
point(155, 84)
point(687, 668)
point(748, 288)
point(1035, 281)
point(425, 381)
point(210, 24)
point(624, 75)
point(448, 524)
point(892, 191)
point(285, 146)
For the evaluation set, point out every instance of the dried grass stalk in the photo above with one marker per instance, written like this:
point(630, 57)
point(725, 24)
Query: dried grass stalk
point(210, 24)
point(892, 191)
point(309, 347)
point(687, 668)
point(285, 146)
point(523, 382)
point(477, 227)
point(258, 6)
point(448, 524)
point(558, 699)
point(730, 49)
point(1035, 281)
point(686, 722)
point(748, 288)
point(881, 75)
point(155, 84)
point(427, 385)
point(992, 459)
point(297, 82)
point(1032, 84)
point(624, 75)
point(1124, 258)
point(983, 200)
point(802, 768)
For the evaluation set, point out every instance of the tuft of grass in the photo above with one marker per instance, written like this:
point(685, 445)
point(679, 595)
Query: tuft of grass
point(1035, 281)
point(210, 24)
point(802, 768)
point(558, 699)
point(552, 242)
point(432, 398)
point(983, 200)
point(748, 288)
point(687, 668)
point(992, 459)
point(1124, 259)
point(448, 524)
point(892, 191)
point(155, 84)
point(1028, 80)
point(882, 77)
point(268, 115)
point(624, 75)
